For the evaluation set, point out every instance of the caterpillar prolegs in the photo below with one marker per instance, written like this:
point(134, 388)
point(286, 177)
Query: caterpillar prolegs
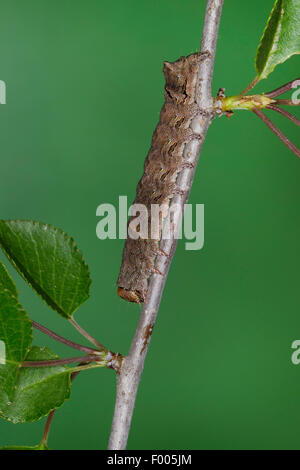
point(163, 163)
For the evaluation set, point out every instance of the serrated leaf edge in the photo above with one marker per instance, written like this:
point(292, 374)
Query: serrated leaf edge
point(15, 293)
point(22, 421)
point(260, 76)
point(50, 303)
point(263, 76)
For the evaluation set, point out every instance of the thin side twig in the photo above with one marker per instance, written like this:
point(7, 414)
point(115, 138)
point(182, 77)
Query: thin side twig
point(129, 377)
point(249, 87)
point(63, 340)
point(284, 113)
point(60, 362)
point(282, 89)
point(287, 103)
point(52, 413)
point(86, 335)
point(47, 427)
point(277, 131)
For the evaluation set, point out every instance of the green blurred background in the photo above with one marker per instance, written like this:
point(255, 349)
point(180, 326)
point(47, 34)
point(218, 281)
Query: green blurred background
point(84, 90)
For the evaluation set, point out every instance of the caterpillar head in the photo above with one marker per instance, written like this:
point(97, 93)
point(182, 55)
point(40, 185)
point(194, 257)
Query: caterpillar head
point(179, 86)
point(131, 295)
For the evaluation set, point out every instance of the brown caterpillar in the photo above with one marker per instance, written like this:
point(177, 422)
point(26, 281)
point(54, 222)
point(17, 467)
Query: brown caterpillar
point(162, 165)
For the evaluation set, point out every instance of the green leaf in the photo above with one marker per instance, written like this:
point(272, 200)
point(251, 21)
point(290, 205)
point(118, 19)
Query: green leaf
point(6, 281)
point(281, 38)
point(38, 390)
point(49, 260)
point(26, 394)
point(15, 341)
point(38, 447)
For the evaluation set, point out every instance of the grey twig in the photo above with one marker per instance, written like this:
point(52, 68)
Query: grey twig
point(129, 377)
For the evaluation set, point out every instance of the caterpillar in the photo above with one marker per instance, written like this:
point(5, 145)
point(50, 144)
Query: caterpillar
point(163, 163)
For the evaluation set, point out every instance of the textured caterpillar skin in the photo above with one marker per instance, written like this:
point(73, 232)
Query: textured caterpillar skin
point(163, 163)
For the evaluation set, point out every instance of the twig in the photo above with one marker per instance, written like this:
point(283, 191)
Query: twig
point(287, 102)
point(250, 86)
point(60, 362)
point(277, 131)
point(129, 377)
point(284, 113)
point(52, 413)
point(64, 340)
point(282, 89)
point(87, 335)
point(47, 427)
